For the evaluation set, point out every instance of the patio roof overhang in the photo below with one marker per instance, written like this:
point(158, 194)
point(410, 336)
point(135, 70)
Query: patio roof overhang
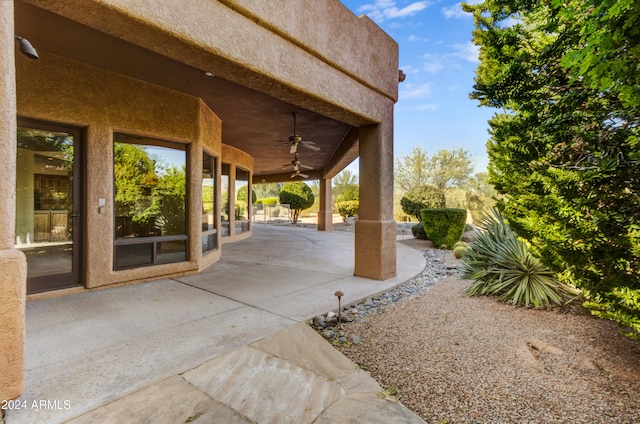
point(254, 104)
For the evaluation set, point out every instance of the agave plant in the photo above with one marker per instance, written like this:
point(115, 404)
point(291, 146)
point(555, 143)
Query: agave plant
point(501, 264)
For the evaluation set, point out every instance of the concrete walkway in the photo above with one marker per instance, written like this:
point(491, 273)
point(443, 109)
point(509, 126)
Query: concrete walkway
point(228, 345)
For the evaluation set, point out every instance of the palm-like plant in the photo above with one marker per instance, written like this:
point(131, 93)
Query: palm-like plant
point(501, 264)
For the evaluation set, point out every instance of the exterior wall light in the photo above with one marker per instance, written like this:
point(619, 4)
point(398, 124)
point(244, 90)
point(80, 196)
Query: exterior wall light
point(26, 48)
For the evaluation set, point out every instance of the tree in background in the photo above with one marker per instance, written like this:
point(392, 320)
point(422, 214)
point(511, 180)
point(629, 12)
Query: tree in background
point(564, 151)
point(417, 176)
point(298, 196)
point(267, 189)
point(345, 184)
point(412, 170)
point(444, 170)
point(449, 168)
point(422, 197)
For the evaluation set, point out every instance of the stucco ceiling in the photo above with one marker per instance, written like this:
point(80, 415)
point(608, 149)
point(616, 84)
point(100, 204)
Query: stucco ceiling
point(251, 121)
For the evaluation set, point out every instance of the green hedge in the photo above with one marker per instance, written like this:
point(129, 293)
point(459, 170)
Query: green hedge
point(348, 208)
point(444, 226)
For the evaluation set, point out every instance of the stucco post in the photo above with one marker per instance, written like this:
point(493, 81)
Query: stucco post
point(325, 214)
point(12, 261)
point(375, 239)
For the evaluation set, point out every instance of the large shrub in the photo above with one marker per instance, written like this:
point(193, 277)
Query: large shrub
point(418, 231)
point(348, 208)
point(421, 197)
point(298, 196)
point(564, 148)
point(444, 227)
point(501, 264)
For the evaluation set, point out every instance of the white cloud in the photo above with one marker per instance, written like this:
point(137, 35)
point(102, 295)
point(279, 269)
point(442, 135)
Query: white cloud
point(413, 91)
point(467, 51)
point(416, 38)
point(432, 63)
point(382, 10)
point(456, 11)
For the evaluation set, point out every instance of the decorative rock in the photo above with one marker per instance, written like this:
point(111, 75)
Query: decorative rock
point(435, 270)
point(356, 339)
point(319, 321)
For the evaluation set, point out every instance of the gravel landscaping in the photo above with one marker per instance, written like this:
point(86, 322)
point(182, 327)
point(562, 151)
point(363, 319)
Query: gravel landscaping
point(455, 359)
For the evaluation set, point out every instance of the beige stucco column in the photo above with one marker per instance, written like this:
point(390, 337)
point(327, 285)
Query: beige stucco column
point(12, 261)
point(375, 245)
point(325, 214)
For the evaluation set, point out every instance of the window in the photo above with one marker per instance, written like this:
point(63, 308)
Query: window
point(243, 201)
point(224, 210)
point(209, 231)
point(150, 178)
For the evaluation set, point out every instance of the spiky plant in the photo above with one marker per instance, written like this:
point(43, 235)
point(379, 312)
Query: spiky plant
point(501, 264)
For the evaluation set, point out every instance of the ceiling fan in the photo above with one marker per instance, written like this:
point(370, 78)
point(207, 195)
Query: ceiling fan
point(298, 174)
point(296, 164)
point(295, 140)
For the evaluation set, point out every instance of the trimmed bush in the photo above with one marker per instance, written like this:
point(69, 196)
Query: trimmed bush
point(443, 226)
point(422, 197)
point(418, 231)
point(298, 196)
point(348, 208)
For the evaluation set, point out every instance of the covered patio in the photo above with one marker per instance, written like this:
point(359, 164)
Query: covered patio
point(162, 350)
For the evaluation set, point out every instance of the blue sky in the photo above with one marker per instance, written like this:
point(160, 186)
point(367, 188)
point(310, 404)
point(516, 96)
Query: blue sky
point(434, 111)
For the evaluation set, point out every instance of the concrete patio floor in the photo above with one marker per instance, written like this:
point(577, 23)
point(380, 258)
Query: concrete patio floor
point(228, 345)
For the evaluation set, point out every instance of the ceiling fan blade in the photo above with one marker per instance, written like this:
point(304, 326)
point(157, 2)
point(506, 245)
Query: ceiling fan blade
point(306, 166)
point(311, 147)
point(303, 175)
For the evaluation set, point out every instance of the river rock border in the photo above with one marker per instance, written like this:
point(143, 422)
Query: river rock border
point(334, 328)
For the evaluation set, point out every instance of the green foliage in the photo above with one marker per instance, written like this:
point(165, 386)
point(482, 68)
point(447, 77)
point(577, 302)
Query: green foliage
point(343, 180)
point(449, 168)
point(267, 189)
point(444, 227)
point(418, 231)
point(348, 208)
point(349, 193)
point(269, 200)
point(298, 196)
point(460, 249)
point(444, 170)
point(150, 197)
point(501, 264)
point(422, 197)
point(411, 170)
point(564, 151)
point(243, 195)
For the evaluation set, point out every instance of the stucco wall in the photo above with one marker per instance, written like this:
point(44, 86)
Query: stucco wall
point(59, 90)
point(12, 261)
point(345, 67)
